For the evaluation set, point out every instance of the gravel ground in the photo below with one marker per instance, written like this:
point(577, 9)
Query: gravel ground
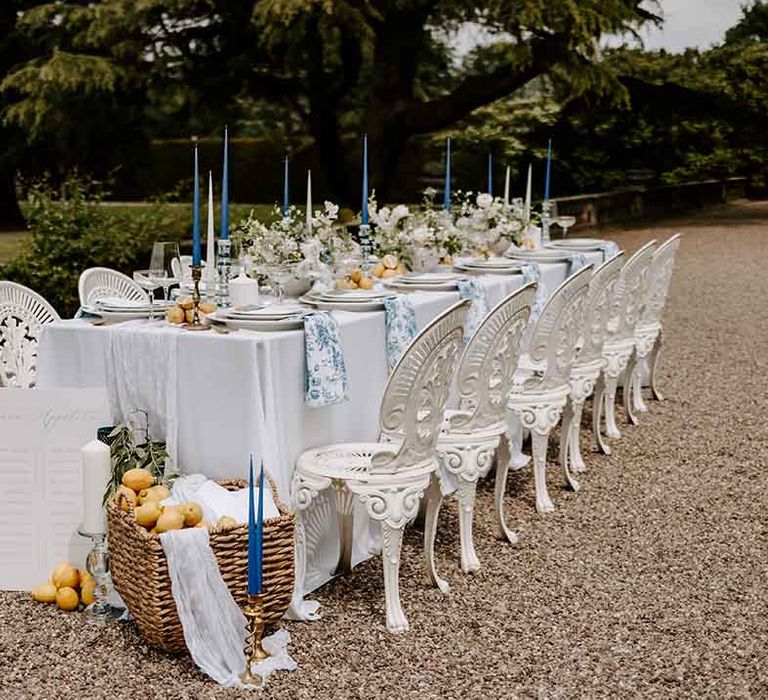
point(650, 582)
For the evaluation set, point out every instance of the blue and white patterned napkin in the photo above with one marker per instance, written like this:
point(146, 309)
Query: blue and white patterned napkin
point(532, 273)
point(610, 249)
point(326, 369)
point(400, 326)
point(578, 260)
point(473, 290)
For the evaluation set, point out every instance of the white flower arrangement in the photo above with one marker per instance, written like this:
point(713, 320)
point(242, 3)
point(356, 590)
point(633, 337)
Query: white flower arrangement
point(440, 232)
point(390, 230)
point(486, 224)
point(287, 239)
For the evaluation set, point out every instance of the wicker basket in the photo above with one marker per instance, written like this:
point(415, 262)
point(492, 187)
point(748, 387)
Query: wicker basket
point(140, 570)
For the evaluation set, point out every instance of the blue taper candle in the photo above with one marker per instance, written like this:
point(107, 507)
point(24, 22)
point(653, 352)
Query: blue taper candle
point(196, 212)
point(253, 588)
point(260, 534)
point(447, 187)
point(224, 229)
point(285, 187)
point(364, 207)
point(490, 174)
point(549, 168)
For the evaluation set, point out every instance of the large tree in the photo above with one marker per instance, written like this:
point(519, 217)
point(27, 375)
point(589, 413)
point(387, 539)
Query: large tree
point(387, 67)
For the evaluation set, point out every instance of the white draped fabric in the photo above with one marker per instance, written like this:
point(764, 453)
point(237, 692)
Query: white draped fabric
point(217, 398)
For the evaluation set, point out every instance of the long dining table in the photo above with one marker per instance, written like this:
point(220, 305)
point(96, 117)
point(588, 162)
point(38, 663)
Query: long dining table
point(218, 398)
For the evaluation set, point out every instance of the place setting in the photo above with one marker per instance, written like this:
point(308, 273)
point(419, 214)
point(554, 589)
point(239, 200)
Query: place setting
point(488, 266)
point(424, 281)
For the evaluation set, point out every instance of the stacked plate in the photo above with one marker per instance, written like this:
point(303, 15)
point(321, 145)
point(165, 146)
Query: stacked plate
point(348, 300)
point(541, 255)
point(488, 266)
point(261, 317)
point(429, 281)
point(580, 244)
point(114, 309)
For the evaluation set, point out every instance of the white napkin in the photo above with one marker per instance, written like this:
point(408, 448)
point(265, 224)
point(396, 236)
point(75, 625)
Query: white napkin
point(216, 501)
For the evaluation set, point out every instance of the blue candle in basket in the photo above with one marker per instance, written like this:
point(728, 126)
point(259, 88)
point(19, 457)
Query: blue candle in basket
point(364, 208)
point(285, 187)
point(196, 212)
point(447, 187)
point(549, 168)
point(224, 232)
point(255, 534)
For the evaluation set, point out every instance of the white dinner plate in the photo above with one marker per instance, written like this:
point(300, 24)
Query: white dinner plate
point(269, 312)
point(449, 286)
point(348, 296)
point(513, 269)
point(120, 316)
point(541, 255)
point(266, 324)
point(319, 302)
point(422, 278)
point(578, 243)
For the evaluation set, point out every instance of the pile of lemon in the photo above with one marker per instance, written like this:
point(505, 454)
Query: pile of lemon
point(139, 493)
point(68, 588)
point(389, 266)
point(183, 311)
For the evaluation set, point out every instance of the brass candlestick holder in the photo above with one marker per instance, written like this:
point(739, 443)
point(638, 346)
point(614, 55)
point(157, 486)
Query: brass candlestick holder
point(196, 325)
point(254, 651)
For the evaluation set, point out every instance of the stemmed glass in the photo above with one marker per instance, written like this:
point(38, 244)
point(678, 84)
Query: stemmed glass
point(145, 280)
point(565, 222)
point(161, 266)
point(280, 274)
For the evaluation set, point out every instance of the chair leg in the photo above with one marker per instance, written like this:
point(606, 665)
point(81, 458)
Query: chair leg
point(466, 497)
point(344, 508)
point(598, 406)
point(500, 488)
point(577, 461)
point(392, 540)
point(433, 499)
point(654, 361)
point(543, 501)
point(639, 405)
point(517, 460)
point(629, 384)
point(564, 454)
point(611, 429)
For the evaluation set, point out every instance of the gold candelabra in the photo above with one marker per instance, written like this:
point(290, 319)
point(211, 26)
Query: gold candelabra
point(254, 651)
point(196, 325)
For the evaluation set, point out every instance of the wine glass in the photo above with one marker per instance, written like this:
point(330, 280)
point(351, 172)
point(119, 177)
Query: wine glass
point(145, 280)
point(161, 267)
point(280, 274)
point(565, 222)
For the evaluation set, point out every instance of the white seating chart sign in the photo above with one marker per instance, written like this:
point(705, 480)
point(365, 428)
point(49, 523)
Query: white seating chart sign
point(41, 434)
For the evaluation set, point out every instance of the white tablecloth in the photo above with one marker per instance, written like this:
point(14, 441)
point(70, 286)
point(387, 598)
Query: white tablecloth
point(218, 398)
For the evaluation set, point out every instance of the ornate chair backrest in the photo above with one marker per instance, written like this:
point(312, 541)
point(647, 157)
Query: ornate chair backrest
point(489, 361)
point(99, 282)
point(23, 313)
point(182, 267)
point(659, 277)
point(630, 293)
point(556, 333)
point(417, 392)
point(600, 299)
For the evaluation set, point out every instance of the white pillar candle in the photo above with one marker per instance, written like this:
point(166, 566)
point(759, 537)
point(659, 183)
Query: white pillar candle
point(210, 257)
point(97, 468)
point(506, 188)
point(527, 209)
point(309, 201)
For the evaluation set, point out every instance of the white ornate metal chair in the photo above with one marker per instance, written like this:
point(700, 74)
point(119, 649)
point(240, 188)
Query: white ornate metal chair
point(619, 345)
point(540, 392)
point(23, 313)
point(649, 333)
point(182, 267)
point(99, 282)
point(389, 478)
point(589, 361)
point(470, 434)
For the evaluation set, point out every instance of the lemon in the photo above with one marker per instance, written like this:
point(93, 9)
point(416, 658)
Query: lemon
point(226, 522)
point(154, 493)
point(67, 599)
point(175, 314)
point(138, 479)
point(88, 592)
point(378, 269)
point(389, 273)
point(148, 513)
point(365, 283)
point(192, 514)
point(44, 593)
point(169, 520)
point(390, 261)
point(65, 576)
point(125, 498)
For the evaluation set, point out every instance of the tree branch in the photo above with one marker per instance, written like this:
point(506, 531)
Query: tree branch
point(478, 90)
